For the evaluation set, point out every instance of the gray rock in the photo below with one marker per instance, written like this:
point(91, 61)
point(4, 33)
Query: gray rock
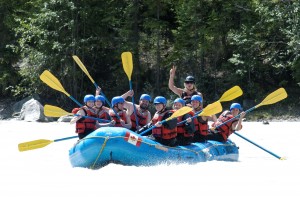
point(32, 111)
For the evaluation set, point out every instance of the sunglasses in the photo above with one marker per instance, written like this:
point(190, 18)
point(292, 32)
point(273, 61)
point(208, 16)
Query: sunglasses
point(189, 82)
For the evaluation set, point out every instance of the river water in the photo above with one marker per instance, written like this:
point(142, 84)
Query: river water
point(46, 172)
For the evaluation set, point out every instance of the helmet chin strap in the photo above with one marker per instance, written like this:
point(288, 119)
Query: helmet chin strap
point(162, 110)
point(198, 108)
point(117, 106)
point(99, 107)
point(88, 106)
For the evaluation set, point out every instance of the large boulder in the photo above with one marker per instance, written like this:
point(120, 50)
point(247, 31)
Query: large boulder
point(32, 111)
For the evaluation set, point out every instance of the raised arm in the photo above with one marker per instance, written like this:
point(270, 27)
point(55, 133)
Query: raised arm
point(172, 87)
point(128, 105)
point(98, 91)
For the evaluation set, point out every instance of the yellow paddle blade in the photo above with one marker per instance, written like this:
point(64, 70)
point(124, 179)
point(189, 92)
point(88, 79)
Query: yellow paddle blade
point(180, 112)
point(231, 94)
point(211, 109)
point(274, 97)
point(52, 81)
point(83, 68)
point(54, 111)
point(127, 63)
point(36, 144)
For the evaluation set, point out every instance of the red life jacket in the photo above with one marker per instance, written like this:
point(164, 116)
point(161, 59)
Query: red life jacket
point(142, 119)
point(75, 110)
point(86, 125)
point(181, 127)
point(122, 115)
point(102, 114)
point(162, 132)
point(226, 129)
point(201, 125)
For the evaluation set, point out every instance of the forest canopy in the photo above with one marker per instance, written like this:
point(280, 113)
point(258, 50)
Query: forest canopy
point(251, 43)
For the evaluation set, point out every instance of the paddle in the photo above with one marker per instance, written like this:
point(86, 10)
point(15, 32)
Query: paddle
point(36, 144)
point(83, 68)
point(179, 112)
point(209, 110)
point(272, 98)
point(280, 158)
point(230, 94)
point(54, 111)
point(54, 83)
point(128, 67)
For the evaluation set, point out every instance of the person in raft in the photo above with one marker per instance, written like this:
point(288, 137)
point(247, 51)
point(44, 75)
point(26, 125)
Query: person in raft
point(85, 126)
point(201, 122)
point(142, 113)
point(189, 87)
point(185, 131)
point(101, 110)
point(123, 119)
point(165, 133)
point(227, 123)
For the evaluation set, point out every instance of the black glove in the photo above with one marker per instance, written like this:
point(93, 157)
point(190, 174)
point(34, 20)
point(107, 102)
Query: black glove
point(189, 126)
point(144, 128)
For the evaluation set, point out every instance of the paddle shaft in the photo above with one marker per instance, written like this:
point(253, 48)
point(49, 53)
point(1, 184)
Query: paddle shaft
point(237, 116)
point(273, 154)
point(66, 138)
point(83, 68)
point(196, 115)
point(152, 127)
point(134, 108)
point(75, 100)
point(93, 118)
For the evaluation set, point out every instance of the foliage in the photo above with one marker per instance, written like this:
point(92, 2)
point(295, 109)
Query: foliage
point(254, 44)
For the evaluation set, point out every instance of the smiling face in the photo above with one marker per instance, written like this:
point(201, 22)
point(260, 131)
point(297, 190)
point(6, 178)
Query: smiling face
point(90, 103)
point(144, 104)
point(98, 103)
point(195, 104)
point(235, 111)
point(120, 105)
point(159, 107)
point(177, 105)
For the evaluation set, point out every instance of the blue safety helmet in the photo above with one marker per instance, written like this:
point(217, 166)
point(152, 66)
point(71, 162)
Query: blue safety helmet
point(89, 98)
point(181, 101)
point(145, 97)
point(196, 98)
point(100, 98)
point(117, 100)
point(236, 105)
point(160, 100)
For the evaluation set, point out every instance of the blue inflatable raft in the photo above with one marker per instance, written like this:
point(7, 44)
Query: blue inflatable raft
point(122, 146)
